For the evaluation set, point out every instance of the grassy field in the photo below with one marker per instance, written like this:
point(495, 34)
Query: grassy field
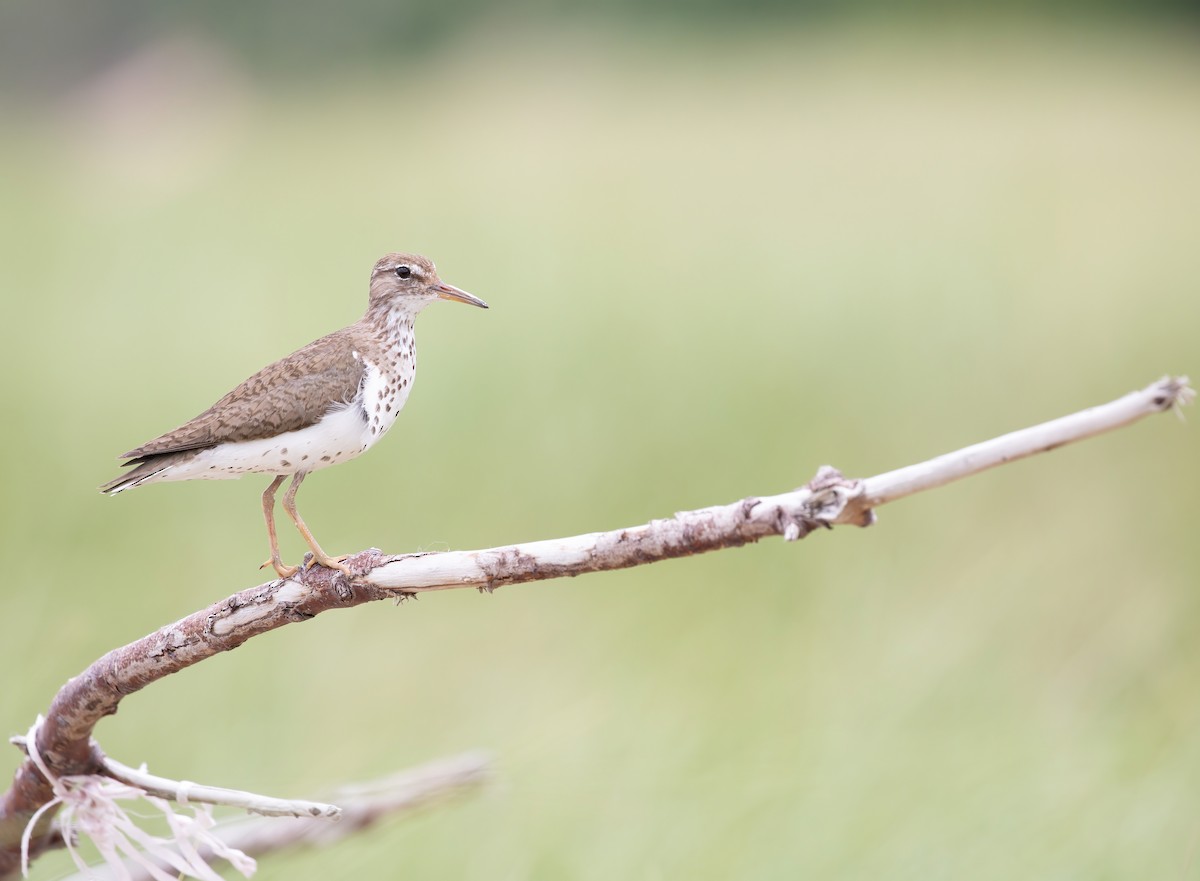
point(715, 262)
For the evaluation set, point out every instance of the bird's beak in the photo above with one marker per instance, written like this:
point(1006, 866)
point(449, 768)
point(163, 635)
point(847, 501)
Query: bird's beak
point(450, 292)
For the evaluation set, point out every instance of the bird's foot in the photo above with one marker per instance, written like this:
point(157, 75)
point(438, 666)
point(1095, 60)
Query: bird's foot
point(328, 562)
point(281, 569)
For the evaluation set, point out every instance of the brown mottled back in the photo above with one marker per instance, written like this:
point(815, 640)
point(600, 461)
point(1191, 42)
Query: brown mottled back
point(290, 394)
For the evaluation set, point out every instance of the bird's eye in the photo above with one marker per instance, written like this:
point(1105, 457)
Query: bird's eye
point(403, 271)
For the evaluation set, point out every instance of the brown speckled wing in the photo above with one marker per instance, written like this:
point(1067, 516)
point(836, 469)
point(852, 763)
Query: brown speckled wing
point(290, 394)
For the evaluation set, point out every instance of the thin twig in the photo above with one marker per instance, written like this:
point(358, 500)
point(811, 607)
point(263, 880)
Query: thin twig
point(363, 805)
point(65, 740)
point(183, 792)
point(1169, 393)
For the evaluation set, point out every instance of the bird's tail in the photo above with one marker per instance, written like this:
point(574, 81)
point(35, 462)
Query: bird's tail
point(146, 469)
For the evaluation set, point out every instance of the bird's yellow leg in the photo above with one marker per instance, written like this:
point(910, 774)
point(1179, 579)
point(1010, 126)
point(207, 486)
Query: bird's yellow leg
point(268, 503)
point(289, 507)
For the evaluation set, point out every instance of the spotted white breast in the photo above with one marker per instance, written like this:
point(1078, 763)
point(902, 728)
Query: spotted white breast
point(347, 430)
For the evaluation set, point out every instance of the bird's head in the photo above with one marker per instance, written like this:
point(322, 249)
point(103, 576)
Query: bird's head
point(410, 282)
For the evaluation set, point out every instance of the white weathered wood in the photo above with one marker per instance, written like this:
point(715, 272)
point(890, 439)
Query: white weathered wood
point(829, 499)
point(183, 792)
point(363, 805)
point(1167, 393)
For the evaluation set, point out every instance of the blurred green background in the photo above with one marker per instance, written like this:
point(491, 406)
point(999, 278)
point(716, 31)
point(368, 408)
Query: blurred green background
point(720, 251)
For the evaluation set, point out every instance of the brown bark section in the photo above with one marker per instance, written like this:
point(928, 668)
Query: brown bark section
point(64, 740)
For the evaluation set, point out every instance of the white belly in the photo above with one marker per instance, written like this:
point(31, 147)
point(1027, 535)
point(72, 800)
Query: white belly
point(342, 434)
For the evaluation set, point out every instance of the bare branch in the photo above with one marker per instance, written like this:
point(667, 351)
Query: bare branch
point(1169, 393)
point(828, 499)
point(185, 792)
point(64, 740)
point(362, 806)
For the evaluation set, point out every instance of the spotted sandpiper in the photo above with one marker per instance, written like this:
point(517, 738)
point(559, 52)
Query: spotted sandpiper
point(325, 403)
